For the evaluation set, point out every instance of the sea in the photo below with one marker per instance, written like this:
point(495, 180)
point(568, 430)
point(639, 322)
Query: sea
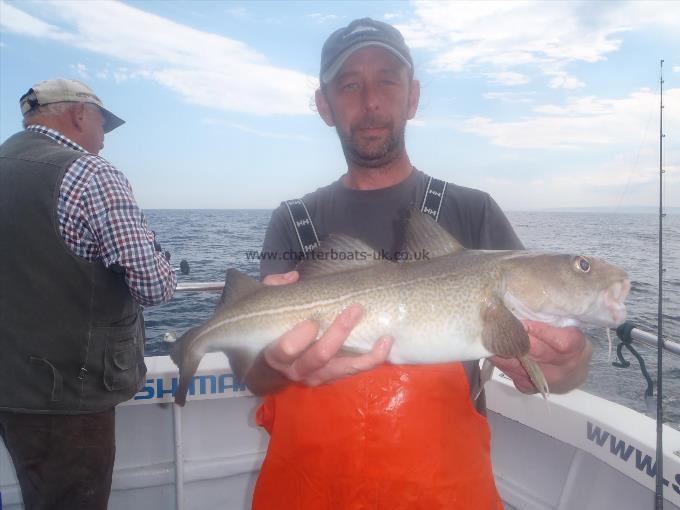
point(212, 241)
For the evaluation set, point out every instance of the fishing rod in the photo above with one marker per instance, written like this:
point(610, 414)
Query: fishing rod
point(659, 379)
point(626, 332)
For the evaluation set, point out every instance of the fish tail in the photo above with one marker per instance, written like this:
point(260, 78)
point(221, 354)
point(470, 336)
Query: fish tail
point(187, 361)
point(536, 375)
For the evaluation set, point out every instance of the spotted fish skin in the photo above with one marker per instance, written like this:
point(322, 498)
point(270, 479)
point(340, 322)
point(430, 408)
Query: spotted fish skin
point(456, 305)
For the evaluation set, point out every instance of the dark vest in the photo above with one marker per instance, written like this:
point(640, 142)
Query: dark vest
point(71, 335)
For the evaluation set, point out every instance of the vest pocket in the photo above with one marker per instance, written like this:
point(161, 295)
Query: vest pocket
point(121, 358)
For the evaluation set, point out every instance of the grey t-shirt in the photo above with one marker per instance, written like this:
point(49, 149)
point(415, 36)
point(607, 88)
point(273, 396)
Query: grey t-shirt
point(377, 218)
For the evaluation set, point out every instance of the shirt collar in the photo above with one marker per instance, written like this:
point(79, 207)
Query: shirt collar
point(55, 135)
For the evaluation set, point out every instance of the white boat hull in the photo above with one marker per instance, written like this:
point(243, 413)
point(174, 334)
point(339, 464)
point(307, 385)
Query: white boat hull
point(579, 452)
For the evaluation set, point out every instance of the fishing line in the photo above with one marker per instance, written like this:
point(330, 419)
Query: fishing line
point(637, 159)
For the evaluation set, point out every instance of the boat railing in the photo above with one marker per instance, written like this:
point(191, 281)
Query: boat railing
point(644, 337)
point(200, 287)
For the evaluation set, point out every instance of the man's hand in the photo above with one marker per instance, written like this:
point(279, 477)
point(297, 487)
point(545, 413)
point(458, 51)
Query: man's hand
point(562, 353)
point(298, 356)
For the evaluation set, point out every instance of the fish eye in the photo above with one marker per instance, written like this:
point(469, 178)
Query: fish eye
point(582, 264)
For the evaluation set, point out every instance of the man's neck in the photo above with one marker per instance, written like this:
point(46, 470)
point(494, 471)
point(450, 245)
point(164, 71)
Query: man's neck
point(364, 178)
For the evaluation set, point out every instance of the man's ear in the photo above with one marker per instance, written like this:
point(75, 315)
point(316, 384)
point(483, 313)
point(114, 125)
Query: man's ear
point(323, 107)
point(77, 116)
point(413, 99)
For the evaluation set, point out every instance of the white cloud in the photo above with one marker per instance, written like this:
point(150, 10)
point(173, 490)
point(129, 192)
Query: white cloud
point(205, 68)
point(393, 15)
point(565, 81)
point(551, 109)
point(538, 35)
point(323, 18)
point(585, 121)
point(614, 183)
point(508, 78)
point(81, 70)
point(17, 21)
point(510, 97)
point(676, 69)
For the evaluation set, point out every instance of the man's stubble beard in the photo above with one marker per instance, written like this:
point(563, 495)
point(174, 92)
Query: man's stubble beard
point(377, 157)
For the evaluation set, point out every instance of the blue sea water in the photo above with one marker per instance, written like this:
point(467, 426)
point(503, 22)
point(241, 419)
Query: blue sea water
point(214, 240)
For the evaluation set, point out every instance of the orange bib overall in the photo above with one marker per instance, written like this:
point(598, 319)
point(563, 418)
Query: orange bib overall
point(393, 438)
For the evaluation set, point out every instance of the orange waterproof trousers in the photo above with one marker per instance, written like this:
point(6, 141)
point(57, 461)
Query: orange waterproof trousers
point(393, 438)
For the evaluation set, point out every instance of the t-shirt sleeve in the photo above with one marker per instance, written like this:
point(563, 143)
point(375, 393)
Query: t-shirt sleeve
point(279, 247)
point(496, 232)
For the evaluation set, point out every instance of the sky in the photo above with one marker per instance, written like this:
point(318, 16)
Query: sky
point(542, 104)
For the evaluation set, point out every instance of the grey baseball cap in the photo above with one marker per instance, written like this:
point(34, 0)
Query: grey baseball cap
point(361, 33)
point(60, 90)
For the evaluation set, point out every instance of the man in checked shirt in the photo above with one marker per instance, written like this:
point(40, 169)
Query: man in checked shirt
point(76, 264)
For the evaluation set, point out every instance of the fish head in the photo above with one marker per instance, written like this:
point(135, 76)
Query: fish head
point(566, 290)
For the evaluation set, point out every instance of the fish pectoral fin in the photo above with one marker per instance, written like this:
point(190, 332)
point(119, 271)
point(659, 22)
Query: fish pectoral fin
point(502, 333)
point(536, 375)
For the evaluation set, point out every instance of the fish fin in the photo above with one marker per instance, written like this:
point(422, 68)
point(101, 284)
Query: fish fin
point(338, 253)
point(240, 361)
point(187, 362)
point(502, 332)
point(484, 377)
point(424, 234)
point(536, 375)
point(237, 285)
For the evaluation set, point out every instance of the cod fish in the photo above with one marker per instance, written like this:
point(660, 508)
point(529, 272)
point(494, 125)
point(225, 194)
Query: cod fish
point(451, 305)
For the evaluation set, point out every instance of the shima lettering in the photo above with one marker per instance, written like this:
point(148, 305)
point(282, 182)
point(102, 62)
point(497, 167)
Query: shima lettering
point(160, 388)
point(627, 453)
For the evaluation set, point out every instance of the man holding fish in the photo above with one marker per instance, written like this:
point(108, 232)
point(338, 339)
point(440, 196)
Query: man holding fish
point(357, 433)
point(370, 367)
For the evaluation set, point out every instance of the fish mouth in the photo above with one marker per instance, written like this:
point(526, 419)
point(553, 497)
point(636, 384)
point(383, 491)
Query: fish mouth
point(613, 302)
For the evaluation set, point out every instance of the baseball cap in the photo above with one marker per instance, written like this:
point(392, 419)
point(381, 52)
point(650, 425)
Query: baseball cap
point(360, 33)
point(60, 90)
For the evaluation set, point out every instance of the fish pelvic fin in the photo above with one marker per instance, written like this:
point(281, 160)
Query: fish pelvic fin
point(484, 377)
point(502, 333)
point(536, 375)
point(187, 361)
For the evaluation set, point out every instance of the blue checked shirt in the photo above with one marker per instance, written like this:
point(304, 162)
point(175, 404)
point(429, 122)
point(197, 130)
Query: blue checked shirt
point(100, 221)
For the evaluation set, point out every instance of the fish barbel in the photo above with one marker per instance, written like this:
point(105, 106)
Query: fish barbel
point(452, 305)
